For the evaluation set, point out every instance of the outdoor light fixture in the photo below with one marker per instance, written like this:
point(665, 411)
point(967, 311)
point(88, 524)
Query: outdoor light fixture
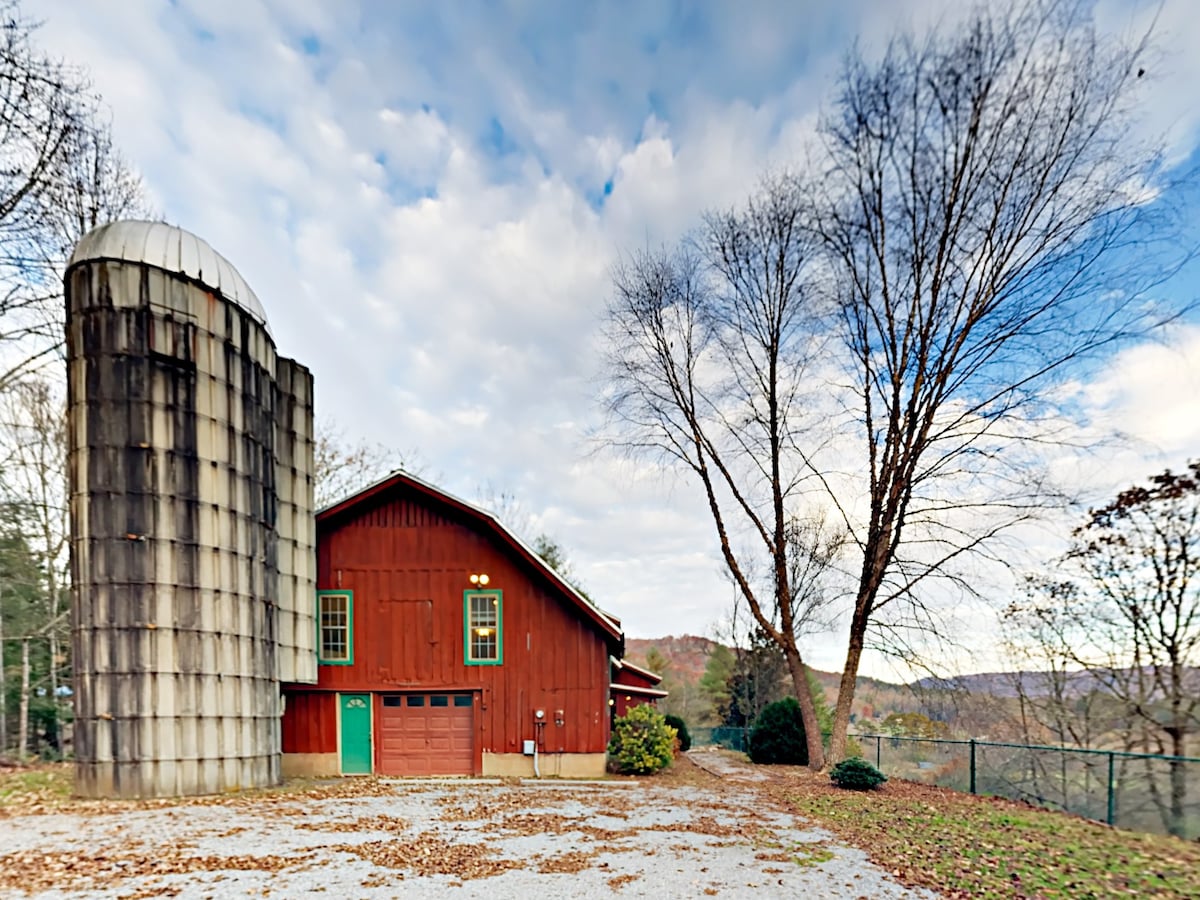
point(481, 579)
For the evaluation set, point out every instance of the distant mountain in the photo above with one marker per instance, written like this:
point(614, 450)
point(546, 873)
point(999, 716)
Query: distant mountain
point(1034, 684)
point(687, 656)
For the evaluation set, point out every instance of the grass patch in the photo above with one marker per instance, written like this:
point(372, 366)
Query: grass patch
point(35, 788)
point(50, 787)
point(965, 846)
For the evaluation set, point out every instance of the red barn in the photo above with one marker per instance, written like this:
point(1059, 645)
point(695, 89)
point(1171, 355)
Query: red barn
point(446, 646)
point(632, 686)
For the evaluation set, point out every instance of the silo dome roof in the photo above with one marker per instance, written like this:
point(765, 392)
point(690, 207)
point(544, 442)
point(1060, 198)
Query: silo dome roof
point(173, 250)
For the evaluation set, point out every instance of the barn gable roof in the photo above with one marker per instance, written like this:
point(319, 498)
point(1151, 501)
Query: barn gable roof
point(400, 479)
point(624, 664)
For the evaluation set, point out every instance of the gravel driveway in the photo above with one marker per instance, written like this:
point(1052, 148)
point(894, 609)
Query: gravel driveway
point(682, 837)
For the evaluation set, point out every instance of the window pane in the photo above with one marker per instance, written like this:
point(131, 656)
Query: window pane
point(483, 627)
point(414, 700)
point(462, 700)
point(334, 615)
point(391, 701)
point(439, 700)
point(483, 611)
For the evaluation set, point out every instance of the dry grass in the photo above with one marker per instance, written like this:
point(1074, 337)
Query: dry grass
point(986, 847)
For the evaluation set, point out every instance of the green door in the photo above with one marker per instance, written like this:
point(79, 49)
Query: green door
point(356, 733)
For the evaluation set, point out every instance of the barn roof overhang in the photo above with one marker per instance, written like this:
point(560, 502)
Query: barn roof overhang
point(399, 479)
point(618, 688)
point(652, 677)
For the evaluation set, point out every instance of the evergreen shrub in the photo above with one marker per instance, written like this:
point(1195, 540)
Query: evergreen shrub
point(856, 774)
point(778, 735)
point(642, 742)
point(680, 726)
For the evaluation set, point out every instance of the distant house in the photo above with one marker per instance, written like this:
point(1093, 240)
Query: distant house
point(633, 686)
point(447, 646)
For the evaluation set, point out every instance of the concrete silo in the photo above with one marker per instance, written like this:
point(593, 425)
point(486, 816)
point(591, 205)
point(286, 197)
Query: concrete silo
point(189, 606)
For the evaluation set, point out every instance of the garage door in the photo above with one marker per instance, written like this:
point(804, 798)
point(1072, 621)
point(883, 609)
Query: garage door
point(427, 734)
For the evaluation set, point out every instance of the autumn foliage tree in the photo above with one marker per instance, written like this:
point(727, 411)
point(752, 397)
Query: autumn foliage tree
point(1123, 606)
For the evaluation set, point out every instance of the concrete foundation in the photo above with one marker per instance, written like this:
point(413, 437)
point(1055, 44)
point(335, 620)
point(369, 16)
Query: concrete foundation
point(551, 765)
point(311, 765)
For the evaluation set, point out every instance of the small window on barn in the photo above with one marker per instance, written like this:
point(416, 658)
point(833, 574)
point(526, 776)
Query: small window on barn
point(335, 624)
point(483, 626)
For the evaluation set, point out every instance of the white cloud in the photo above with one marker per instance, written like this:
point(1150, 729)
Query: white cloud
point(446, 291)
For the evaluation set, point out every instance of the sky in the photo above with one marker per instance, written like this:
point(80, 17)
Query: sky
point(428, 198)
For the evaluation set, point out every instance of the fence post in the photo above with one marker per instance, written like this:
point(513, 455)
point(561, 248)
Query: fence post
point(1112, 783)
point(972, 765)
point(878, 755)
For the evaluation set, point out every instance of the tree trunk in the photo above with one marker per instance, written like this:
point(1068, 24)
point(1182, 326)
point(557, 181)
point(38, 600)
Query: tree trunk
point(23, 723)
point(3, 691)
point(845, 698)
point(808, 710)
point(1178, 785)
point(56, 736)
point(54, 647)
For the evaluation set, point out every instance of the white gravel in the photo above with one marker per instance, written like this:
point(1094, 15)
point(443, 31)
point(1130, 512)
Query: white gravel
point(622, 838)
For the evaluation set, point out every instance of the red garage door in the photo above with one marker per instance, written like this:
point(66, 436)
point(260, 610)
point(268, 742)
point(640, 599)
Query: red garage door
point(427, 734)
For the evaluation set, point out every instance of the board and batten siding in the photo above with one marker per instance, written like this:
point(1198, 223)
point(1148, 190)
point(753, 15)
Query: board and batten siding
point(407, 565)
point(310, 722)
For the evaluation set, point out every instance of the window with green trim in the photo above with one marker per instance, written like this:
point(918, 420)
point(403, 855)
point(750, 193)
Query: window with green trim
point(335, 628)
point(483, 627)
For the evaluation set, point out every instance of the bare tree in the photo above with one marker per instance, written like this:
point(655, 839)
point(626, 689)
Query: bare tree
point(1123, 606)
point(991, 220)
point(60, 176)
point(92, 184)
point(33, 482)
point(342, 467)
point(984, 222)
point(709, 347)
point(42, 113)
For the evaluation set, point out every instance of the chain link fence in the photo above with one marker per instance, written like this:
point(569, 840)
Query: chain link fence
point(1137, 791)
point(728, 738)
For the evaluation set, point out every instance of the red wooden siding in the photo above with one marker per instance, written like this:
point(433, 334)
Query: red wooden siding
point(407, 561)
point(633, 686)
point(310, 723)
point(634, 678)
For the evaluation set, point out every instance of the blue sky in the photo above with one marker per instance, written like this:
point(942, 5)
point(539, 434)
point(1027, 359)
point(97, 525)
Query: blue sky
point(428, 198)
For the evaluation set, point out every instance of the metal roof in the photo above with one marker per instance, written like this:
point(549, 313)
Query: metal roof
point(173, 250)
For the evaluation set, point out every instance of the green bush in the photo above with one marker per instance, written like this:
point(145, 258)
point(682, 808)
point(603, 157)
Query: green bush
point(680, 726)
point(856, 774)
point(778, 735)
point(642, 742)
